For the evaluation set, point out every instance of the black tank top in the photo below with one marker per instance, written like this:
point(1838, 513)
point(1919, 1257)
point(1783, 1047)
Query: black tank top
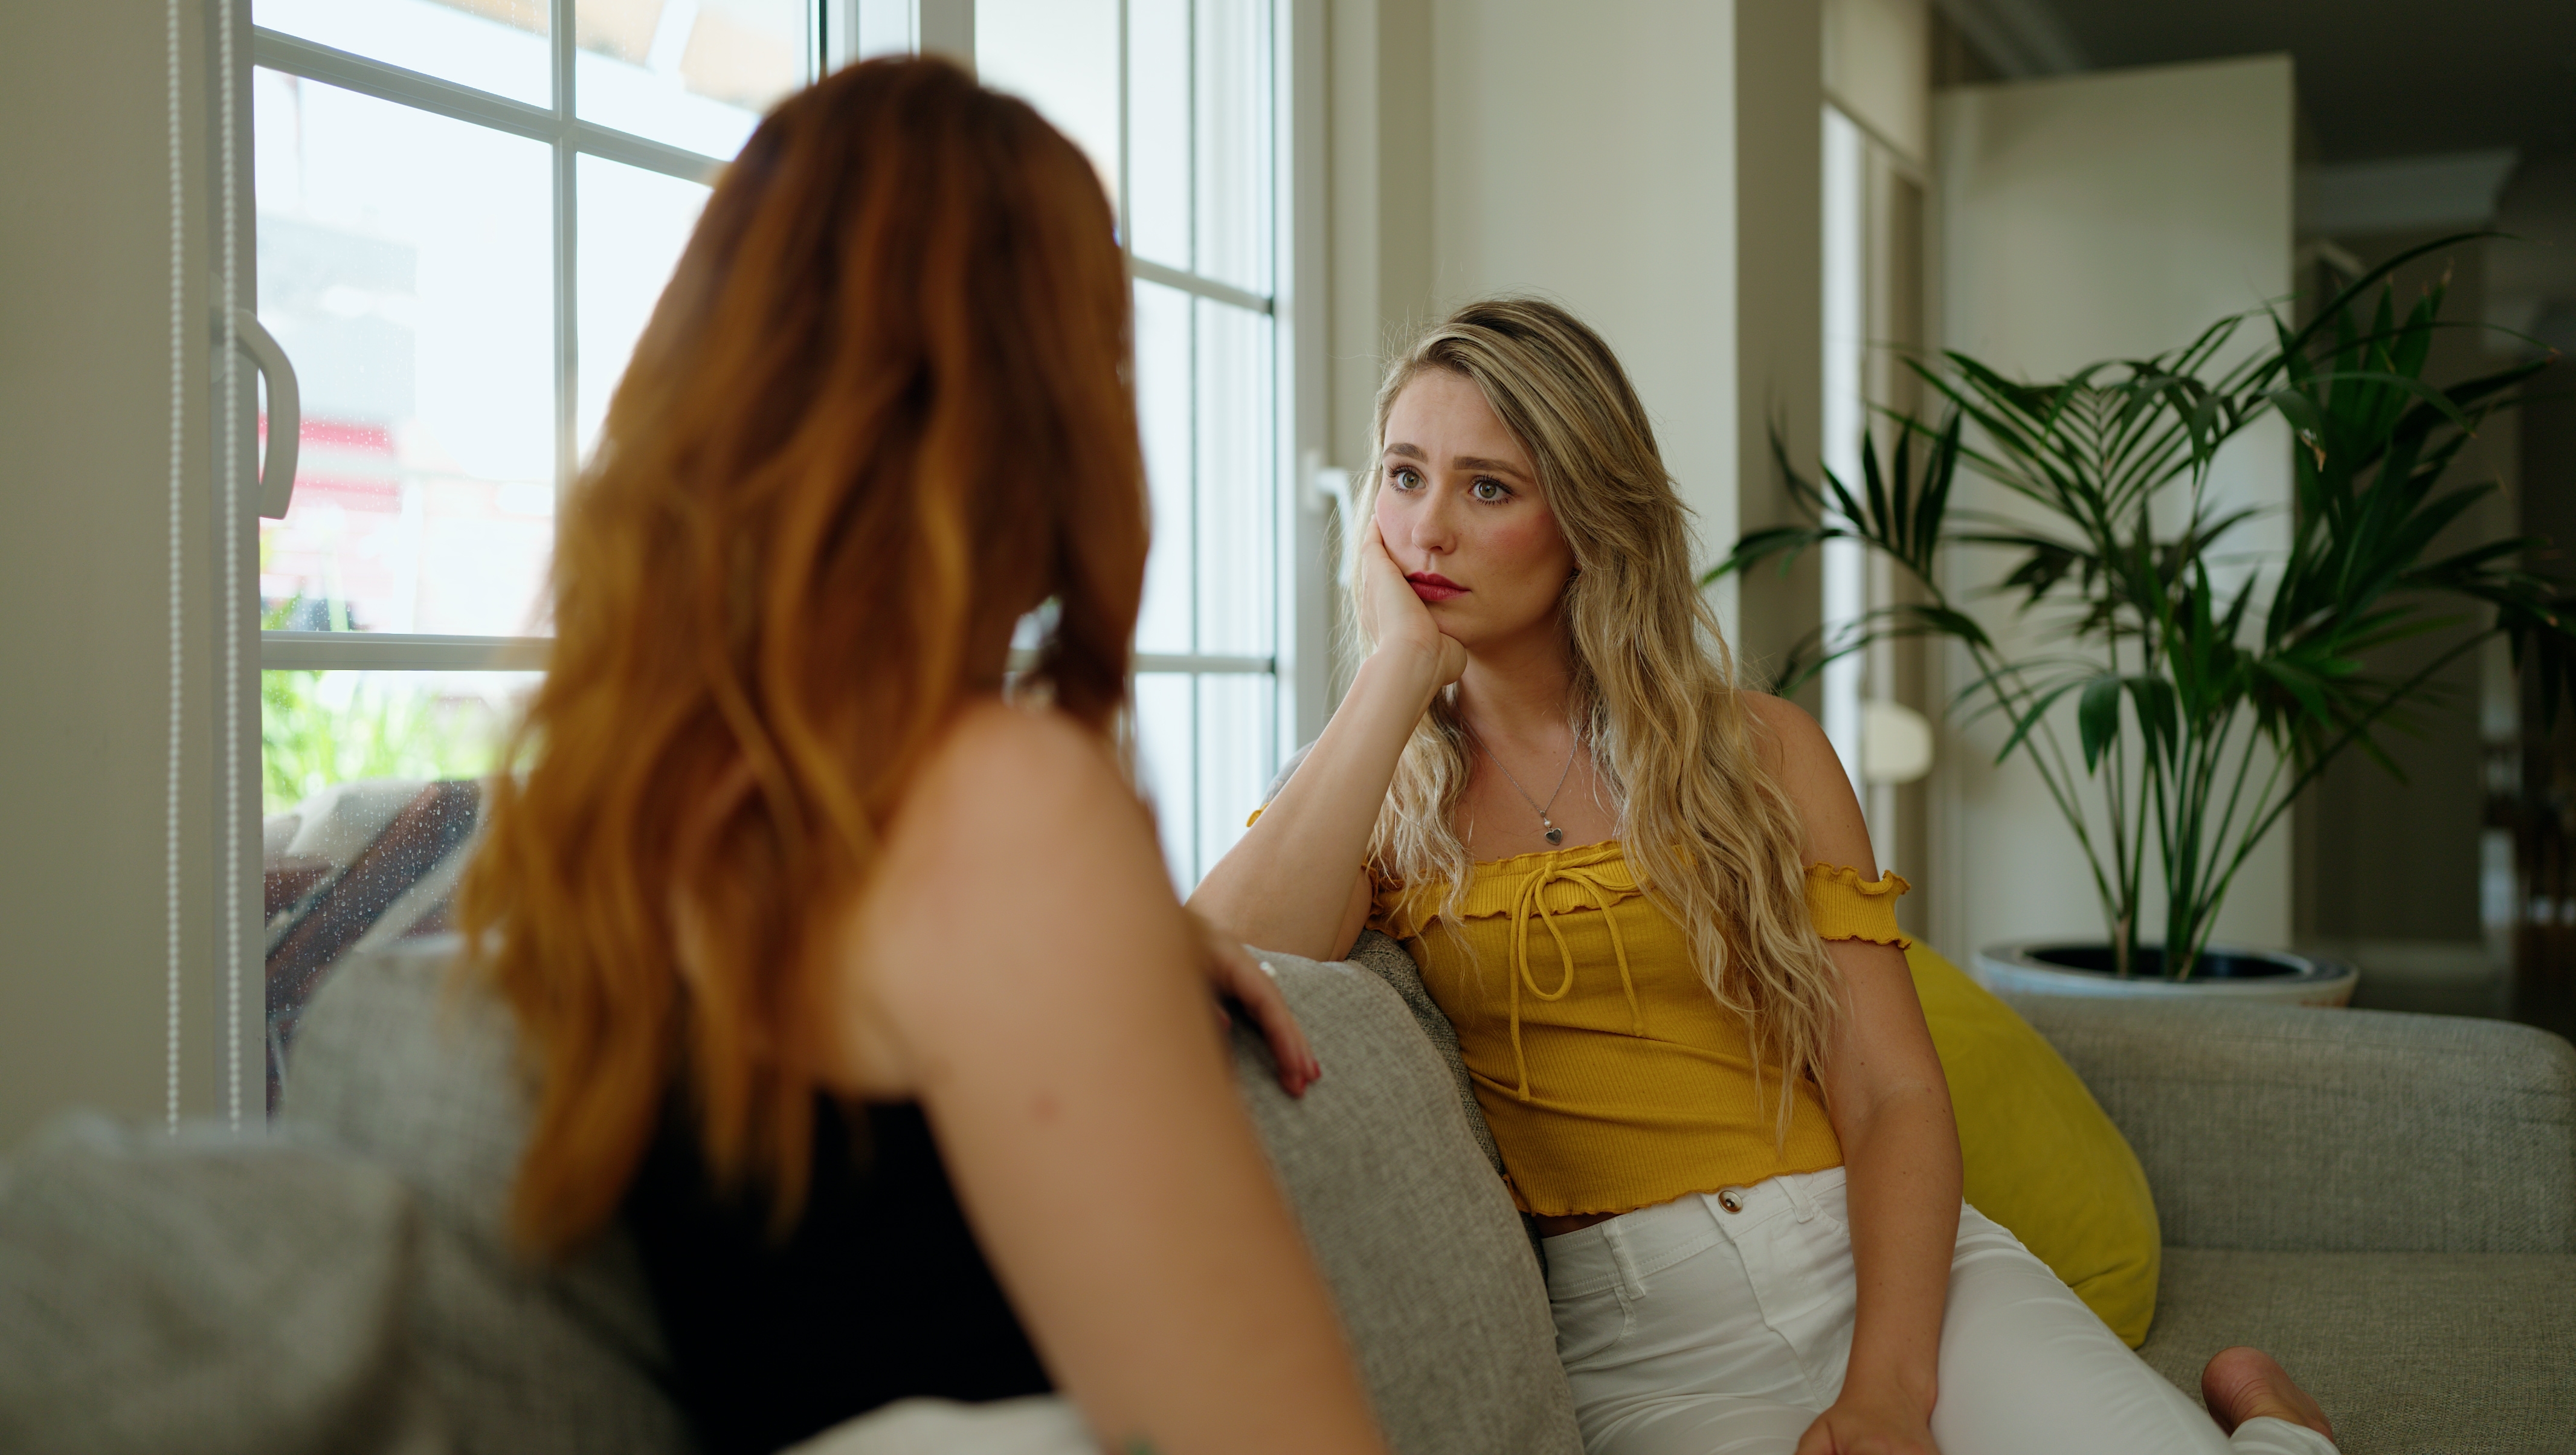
point(879, 1293)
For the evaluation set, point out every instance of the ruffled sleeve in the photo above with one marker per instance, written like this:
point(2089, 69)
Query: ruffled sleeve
point(1844, 908)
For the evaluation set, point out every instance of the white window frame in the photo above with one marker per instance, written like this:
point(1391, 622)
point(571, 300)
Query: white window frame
point(1303, 576)
point(1300, 659)
point(1857, 161)
point(568, 138)
point(1301, 654)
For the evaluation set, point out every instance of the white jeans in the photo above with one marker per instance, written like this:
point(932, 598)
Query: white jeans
point(1687, 1329)
point(1040, 1424)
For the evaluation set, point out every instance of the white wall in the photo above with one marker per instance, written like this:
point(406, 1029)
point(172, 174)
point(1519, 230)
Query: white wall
point(1588, 154)
point(2109, 215)
point(1652, 164)
point(85, 391)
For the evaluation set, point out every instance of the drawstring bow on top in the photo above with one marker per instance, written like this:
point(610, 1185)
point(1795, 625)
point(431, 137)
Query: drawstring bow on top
point(1532, 898)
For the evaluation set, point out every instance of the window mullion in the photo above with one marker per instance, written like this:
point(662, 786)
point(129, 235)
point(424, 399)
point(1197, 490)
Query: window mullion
point(1198, 462)
point(1126, 155)
point(567, 321)
point(1200, 285)
point(385, 81)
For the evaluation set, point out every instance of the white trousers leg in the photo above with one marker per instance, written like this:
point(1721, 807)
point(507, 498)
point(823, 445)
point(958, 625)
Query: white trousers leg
point(1040, 1424)
point(1689, 1330)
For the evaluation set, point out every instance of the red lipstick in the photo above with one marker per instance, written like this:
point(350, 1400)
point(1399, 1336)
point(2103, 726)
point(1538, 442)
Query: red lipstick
point(1432, 586)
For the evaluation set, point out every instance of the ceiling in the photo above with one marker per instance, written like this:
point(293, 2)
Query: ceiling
point(2376, 78)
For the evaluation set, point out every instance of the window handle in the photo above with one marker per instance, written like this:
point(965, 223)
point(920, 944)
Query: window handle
point(1328, 487)
point(285, 412)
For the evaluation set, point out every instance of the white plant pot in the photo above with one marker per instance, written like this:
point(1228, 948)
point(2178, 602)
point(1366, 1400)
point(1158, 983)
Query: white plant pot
point(2269, 976)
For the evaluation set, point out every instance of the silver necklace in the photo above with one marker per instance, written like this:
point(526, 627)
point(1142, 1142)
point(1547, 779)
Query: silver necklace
point(1555, 835)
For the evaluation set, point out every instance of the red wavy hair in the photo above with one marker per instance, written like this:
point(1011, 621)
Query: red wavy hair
point(881, 412)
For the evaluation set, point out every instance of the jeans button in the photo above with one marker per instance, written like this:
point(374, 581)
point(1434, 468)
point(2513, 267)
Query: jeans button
point(1731, 1199)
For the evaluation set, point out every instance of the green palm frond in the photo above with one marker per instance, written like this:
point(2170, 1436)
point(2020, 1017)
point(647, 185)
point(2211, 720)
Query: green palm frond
point(2210, 684)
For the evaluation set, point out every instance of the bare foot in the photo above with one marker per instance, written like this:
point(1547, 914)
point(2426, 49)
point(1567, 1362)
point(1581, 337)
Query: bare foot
point(2245, 1383)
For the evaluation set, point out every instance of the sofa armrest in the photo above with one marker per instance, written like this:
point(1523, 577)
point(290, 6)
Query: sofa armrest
point(2288, 1128)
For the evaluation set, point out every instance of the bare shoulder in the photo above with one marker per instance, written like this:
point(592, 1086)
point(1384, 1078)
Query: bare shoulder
point(1017, 851)
point(1790, 739)
point(1004, 765)
point(993, 737)
point(1007, 798)
point(1803, 762)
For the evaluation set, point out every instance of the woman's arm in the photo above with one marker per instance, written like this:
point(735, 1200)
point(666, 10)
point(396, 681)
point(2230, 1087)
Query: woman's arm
point(1293, 882)
point(1891, 1110)
point(1020, 967)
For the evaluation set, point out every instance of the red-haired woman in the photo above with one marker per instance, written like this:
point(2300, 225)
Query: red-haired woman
point(857, 990)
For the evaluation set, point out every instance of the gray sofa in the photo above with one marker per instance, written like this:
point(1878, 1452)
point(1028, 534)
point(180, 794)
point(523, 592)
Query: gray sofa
point(2386, 1201)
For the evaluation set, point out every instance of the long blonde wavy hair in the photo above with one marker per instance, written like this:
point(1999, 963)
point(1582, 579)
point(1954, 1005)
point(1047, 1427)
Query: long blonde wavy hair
point(1712, 838)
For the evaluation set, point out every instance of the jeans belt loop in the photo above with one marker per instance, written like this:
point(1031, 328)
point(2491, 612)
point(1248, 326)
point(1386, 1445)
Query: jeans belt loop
point(1799, 1198)
point(1617, 1238)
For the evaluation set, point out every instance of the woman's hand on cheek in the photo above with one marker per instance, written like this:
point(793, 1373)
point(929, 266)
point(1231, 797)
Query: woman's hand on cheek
point(1396, 617)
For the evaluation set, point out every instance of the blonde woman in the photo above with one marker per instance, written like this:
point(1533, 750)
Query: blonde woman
point(1647, 900)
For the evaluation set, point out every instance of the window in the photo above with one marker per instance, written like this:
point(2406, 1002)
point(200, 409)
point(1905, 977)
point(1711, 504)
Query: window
point(464, 216)
point(463, 212)
point(1174, 102)
point(1872, 316)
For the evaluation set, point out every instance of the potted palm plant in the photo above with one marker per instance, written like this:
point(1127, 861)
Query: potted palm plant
point(2205, 696)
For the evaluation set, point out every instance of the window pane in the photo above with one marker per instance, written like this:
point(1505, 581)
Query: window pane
point(491, 45)
point(1235, 504)
point(1163, 409)
point(371, 801)
point(1236, 758)
point(629, 232)
point(1060, 56)
point(320, 729)
point(1167, 767)
point(1233, 142)
point(693, 73)
point(1158, 129)
point(405, 266)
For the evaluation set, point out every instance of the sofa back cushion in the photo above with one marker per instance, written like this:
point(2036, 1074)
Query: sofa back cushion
point(1447, 1311)
point(2294, 1129)
point(405, 1066)
point(215, 1292)
point(1436, 1282)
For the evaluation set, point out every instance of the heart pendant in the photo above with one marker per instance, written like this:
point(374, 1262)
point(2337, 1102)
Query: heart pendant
point(1556, 836)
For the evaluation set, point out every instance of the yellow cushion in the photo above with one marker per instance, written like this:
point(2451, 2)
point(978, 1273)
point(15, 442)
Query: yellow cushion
point(2040, 1157)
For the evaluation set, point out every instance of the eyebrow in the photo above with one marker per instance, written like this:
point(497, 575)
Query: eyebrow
point(1462, 462)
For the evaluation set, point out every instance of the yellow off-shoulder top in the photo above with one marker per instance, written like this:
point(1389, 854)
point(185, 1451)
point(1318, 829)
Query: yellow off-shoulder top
point(1610, 1076)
